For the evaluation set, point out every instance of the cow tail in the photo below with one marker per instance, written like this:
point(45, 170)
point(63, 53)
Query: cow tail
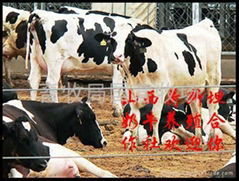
point(28, 46)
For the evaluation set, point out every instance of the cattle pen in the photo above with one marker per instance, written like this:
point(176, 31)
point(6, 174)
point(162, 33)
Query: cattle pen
point(138, 161)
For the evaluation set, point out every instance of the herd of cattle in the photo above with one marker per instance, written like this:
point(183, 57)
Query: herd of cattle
point(86, 41)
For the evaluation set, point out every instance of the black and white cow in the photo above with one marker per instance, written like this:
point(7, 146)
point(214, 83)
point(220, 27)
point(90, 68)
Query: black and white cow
point(228, 170)
point(182, 57)
point(67, 167)
point(19, 139)
point(14, 28)
point(61, 43)
point(8, 95)
point(59, 121)
point(144, 129)
point(181, 112)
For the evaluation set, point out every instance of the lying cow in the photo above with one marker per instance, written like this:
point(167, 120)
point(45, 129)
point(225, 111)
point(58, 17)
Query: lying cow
point(18, 139)
point(58, 167)
point(72, 37)
point(8, 95)
point(228, 170)
point(62, 167)
point(14, 27)
point(181, 112)
point(59, 121)
point(183, 57)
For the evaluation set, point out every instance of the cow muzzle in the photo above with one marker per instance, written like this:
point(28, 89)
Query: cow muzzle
point(103, 142)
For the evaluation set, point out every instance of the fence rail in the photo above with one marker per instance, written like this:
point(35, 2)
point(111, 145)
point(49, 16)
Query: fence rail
point(122, 155)
point(111, 88)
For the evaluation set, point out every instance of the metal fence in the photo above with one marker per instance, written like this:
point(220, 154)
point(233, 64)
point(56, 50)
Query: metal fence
point(180, 15)
point(172, 15)
point(47, 6)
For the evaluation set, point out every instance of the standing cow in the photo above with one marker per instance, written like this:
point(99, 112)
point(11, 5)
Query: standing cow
point(14, 27)
point(61, 43)
point(189, 56)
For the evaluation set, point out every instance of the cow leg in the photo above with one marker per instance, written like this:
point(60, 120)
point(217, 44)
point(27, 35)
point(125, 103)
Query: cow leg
point(169, 136)
point(157, 110)
point(213, 109)
point(53, 77)
point(7, 73)
point(34, 77)
point(135, 110)
point(132, 128)
point(182, 132)
point(227, 128)
point(195, 106)
point(117, 81)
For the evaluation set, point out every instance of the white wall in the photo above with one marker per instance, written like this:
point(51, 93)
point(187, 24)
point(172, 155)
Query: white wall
point(135, 10)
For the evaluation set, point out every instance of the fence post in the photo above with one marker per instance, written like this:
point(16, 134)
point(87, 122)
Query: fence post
point(35, 6)
point(148, 13)
point(195, 13)
point(222, 8)
point(160, 18)
point(124, 9)
point(43, 6)
point(112, 7)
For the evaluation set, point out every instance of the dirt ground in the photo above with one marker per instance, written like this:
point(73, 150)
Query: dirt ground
point(193, 166)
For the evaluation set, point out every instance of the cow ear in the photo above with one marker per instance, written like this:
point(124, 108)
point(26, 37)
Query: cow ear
point(84, 99)
point(79, 114)
point(145, 42)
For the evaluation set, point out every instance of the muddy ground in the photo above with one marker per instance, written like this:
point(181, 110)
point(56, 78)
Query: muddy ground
point(196, 166)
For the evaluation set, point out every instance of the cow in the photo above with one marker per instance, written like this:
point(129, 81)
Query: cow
point(72, 37)
point(19, 139)
point(182, 112)
point(8, 95)
point(14, 29)
point(184, 57)
point(59, 121)
point(228, 170)
point(188, 56)
point(67, 167)
point(57, 167)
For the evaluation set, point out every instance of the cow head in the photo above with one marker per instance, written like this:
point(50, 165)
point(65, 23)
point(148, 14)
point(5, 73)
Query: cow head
point(87, 128)
point(135, 46)
point(115, 41)
point(20, 140)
